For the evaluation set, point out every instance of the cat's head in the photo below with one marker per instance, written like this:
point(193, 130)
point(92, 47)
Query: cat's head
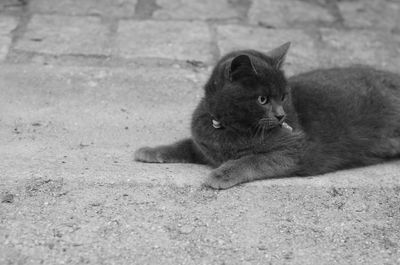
point(247, 89)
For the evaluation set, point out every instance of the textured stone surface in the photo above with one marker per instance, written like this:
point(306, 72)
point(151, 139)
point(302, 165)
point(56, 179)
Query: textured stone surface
point(115, 8)
point(10, 5)
point(286, 13)
point(66, 139)
point(57, 221)
point(177, 40)
point(92, 119)
point(7, 25)
point(192, 9)
point(360, 47)
point(82, 99)
point(65, 35)
point(302, 55)
point(371, 14)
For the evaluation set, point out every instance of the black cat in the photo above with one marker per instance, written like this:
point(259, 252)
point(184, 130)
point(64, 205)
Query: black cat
point(253, 123)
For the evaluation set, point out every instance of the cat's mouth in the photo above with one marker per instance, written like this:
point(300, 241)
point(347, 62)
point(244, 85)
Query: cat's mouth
point(264, 125)
point(267, 124)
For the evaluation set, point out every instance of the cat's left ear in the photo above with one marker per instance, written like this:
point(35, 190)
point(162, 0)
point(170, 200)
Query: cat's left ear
point(278, 55)
point(240, 66)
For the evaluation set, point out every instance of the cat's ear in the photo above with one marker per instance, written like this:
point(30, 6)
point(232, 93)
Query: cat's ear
point(240, 66)
point(278, 55)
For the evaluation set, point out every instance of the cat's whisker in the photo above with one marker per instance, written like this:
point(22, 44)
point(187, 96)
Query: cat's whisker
point(263, 132)
point(258, 130)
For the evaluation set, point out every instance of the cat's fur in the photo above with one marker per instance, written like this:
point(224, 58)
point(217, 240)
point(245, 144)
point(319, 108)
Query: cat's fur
point(341, 118)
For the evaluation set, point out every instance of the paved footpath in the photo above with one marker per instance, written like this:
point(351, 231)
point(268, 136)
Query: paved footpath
point(83, 83)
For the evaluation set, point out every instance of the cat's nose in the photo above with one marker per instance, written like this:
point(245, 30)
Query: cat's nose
point(280, 117)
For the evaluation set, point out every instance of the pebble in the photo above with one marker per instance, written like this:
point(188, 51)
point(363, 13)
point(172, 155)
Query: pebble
point(186, 229)
point(8, 198)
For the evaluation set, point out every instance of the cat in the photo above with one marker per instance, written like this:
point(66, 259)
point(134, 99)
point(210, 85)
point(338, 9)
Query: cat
point(253, 123)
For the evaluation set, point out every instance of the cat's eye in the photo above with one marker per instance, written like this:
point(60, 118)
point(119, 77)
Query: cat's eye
point(262, 100)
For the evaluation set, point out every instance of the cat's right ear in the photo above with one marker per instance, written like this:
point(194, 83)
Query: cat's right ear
point(240, 66)
point(278, 55)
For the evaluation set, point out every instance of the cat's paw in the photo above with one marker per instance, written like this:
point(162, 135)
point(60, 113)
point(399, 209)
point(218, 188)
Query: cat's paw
point(149, 155)
point(223, 178)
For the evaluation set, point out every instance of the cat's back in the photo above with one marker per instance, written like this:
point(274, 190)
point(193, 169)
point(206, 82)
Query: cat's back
point(348, 92)
point(337, 82)
point(350, 115)
point(341, 100)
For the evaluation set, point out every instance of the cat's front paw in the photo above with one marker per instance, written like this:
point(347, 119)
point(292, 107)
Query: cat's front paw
point(223, 178)
point(149, 155)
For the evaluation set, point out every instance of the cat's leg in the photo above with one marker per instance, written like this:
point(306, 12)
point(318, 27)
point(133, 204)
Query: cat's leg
point(184, 151)
point(252, 167)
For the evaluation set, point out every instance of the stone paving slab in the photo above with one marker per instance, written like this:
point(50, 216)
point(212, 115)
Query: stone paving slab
point(55, 34)
point(371, 14)
point(176, 40)
point(288, 13)
point(192, 9)
point(75, 99)
point(108, 8)
point(10, 5)
point(85, 120)
point(302, 55)
point(7, 25)
point(374, 48)
point(72, 194)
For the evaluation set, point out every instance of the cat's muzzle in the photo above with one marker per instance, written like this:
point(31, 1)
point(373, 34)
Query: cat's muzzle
point(269, 123)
